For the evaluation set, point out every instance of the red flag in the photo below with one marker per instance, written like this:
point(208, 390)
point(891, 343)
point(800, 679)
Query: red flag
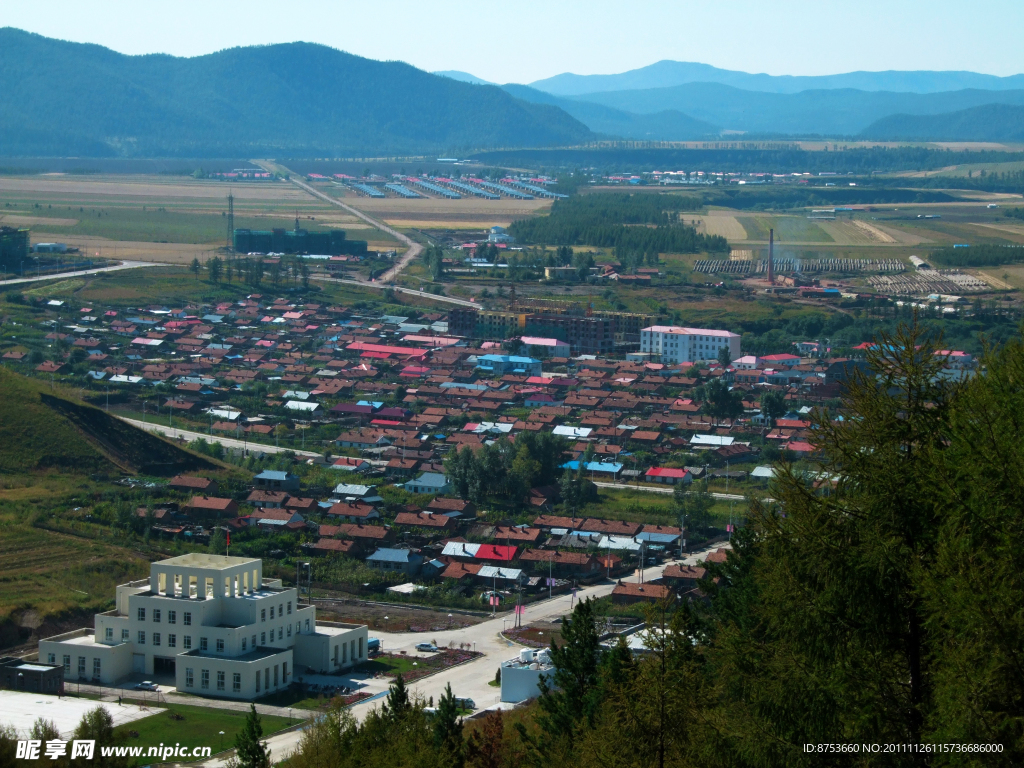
point(229, 538)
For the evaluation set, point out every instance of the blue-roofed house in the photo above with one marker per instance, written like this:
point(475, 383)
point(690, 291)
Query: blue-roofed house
point(499, 365)
point(428, 482)
point(396, 560)
point(275, 480)
point(607, 468)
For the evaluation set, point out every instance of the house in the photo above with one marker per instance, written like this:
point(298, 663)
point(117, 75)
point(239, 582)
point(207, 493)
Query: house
point(215, 625)
point(193, 484)
point(499, 365)
point(212, 505)
point(396, 560)
point(362, 440)
point(496, 576)
point(604, 469)
point(627, 593)
point(668, 475)
point(461, 572)
point(611, 527)
point(428, 482)
point(349, 464)
point(683, 577)
point(353, 512)
point(336, 547)
point(366, 493)
point(267, 499)
point(274, 480)
point(518, 533)
point(474, 552)
point(547, 522)
point(571, 564)
point(277, 519)
point(436, 522)
point(535, 345)
point(452, 507)
point(366, 534)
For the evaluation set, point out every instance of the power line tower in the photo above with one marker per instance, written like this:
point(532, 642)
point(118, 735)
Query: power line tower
point(231, 223)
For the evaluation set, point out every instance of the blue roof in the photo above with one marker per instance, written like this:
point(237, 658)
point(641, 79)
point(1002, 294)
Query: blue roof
point(273, 474)
point(594, 466)
point(429, 478)
point(389, 555)
point(507, 359)
point(657, 538)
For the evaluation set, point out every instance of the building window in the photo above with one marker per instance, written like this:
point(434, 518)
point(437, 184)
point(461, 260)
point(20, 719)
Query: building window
point(220, 646)
point(236, 682)
point(204, 679)
point(307, 625)
point(280, 610)
point(186, 619)
point(172, 617)
point(244, 641)
point(156, 638)
point(289, 607)
point(141, 614)
point(257, 681)
point(109, 634)
point(189, 679)
point(220, 681)
point(254, 642)
point(289, 630)
point(51, 658)
point(156, 615)
point(81, 666)
point(284, 673)
point(263, 615)
point(124, 635)
point(172, 641)
point(298, 627)
point(280, 633)
point(266, 678)
point(271, 613)
point(95, 668)
point(187, 642)
point(202, 644)
point(67, 665)
point(263, 638)
point(141, 638)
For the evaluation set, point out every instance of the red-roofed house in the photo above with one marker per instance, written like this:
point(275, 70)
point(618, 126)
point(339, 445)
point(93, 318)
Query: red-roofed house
point(627, 593)
point(668, 475)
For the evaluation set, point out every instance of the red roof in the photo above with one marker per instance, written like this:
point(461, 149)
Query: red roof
point(665, 472)
point(495, 552)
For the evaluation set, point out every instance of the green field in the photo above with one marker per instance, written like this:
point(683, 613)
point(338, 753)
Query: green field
point(788, 229)
point(200, 727)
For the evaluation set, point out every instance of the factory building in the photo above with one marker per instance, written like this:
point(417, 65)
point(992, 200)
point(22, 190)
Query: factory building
point(297, 241)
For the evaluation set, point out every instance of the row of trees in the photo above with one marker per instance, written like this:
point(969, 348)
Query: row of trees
point(251, 271)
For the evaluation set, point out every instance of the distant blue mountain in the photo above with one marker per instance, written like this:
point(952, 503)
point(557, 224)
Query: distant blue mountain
point(666, 73)
point(989, 122)
point(462, 77)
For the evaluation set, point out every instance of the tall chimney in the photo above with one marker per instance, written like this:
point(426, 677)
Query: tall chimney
point(771, 257)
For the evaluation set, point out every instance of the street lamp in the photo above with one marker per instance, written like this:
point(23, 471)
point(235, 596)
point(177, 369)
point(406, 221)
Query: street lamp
point(222, 741)
point(385, 623)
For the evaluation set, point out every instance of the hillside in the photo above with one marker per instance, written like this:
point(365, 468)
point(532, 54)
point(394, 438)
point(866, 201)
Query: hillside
point(837, 112)
point(664, 74)
point(990, 122)
point(40, 430)
point(64, 98)
point(665, 125)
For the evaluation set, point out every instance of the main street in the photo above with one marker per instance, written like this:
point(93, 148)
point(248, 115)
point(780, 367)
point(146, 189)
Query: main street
point(173, 432)
point(469, 680)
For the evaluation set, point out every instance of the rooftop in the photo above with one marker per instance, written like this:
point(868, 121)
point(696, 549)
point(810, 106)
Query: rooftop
point(209, 562)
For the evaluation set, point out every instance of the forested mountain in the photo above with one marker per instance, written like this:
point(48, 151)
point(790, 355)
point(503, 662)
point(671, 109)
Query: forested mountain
point(989, 122)
point(666, 125)
point(666, 73)
point(840, 112)
point(463, 77)
point(64, 98)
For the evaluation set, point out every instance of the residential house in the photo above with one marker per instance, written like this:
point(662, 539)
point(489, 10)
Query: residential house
point(628, 593)
point(428, 482)
point(396, 560)
point(274, 480)
point(192, 484)
point(212, 506)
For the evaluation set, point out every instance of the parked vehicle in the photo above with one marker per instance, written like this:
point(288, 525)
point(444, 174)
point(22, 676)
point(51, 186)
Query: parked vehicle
point(148, 685)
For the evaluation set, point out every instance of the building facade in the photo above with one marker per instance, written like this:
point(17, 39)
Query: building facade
point(214, 623)
point(675, 344)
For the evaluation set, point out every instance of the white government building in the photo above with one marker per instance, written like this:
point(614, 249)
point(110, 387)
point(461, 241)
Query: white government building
point(214, 623)
point(676, 344)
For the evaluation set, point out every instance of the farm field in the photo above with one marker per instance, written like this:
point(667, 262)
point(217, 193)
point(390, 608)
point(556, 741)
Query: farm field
point(788, 229)
point(437, 212)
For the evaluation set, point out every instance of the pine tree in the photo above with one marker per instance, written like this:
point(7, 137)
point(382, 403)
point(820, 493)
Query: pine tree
point(447, 727)
point(251, 752)
point(397, 704)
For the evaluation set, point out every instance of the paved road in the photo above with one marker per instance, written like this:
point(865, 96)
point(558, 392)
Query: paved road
point(467, 680)
point(84, 272)
point(399, 289)
point(654, 489)
point(228, 442)
point(413, 248)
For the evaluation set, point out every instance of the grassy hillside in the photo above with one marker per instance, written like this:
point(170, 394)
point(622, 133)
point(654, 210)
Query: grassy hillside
point(41, 430)
point(64, 98)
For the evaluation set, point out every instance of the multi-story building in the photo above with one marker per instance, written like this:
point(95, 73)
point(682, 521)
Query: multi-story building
point(595, 333)
point(214, 623)
point(676, 344)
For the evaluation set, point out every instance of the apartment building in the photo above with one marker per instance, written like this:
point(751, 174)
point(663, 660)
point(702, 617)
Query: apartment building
point(676, 344)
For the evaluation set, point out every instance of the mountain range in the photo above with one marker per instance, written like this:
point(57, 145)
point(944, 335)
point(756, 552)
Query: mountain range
point(305, 100)
point(295, 99)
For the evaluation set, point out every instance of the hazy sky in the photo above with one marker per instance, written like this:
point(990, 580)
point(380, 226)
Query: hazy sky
point(525, 40)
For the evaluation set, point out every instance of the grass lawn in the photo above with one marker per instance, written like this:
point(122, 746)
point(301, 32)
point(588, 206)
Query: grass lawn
point(391, 665)
point(200, 727)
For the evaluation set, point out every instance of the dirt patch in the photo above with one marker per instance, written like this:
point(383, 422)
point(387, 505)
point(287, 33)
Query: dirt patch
point(161, 253)
point(874, 232)
point(400, 618)
point(536, 635)
point(19, 220)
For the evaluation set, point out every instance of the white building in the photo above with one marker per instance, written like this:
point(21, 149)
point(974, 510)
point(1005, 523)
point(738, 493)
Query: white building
point(676, 344)
point(214, 623)
point(520, 676)
point(534, 345)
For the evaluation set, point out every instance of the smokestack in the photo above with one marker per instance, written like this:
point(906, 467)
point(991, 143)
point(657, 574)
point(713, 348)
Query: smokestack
point(771, 257)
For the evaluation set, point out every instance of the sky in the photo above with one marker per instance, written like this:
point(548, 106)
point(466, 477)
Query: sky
point(525, 40)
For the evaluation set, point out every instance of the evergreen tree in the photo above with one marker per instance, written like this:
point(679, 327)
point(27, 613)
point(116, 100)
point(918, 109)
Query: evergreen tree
point(251, 752)
point(397, 704)
point(773, 406)
point(448, 729)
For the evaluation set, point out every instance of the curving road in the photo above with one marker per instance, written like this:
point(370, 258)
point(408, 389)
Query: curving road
point(84, 272)
point(172, 433)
